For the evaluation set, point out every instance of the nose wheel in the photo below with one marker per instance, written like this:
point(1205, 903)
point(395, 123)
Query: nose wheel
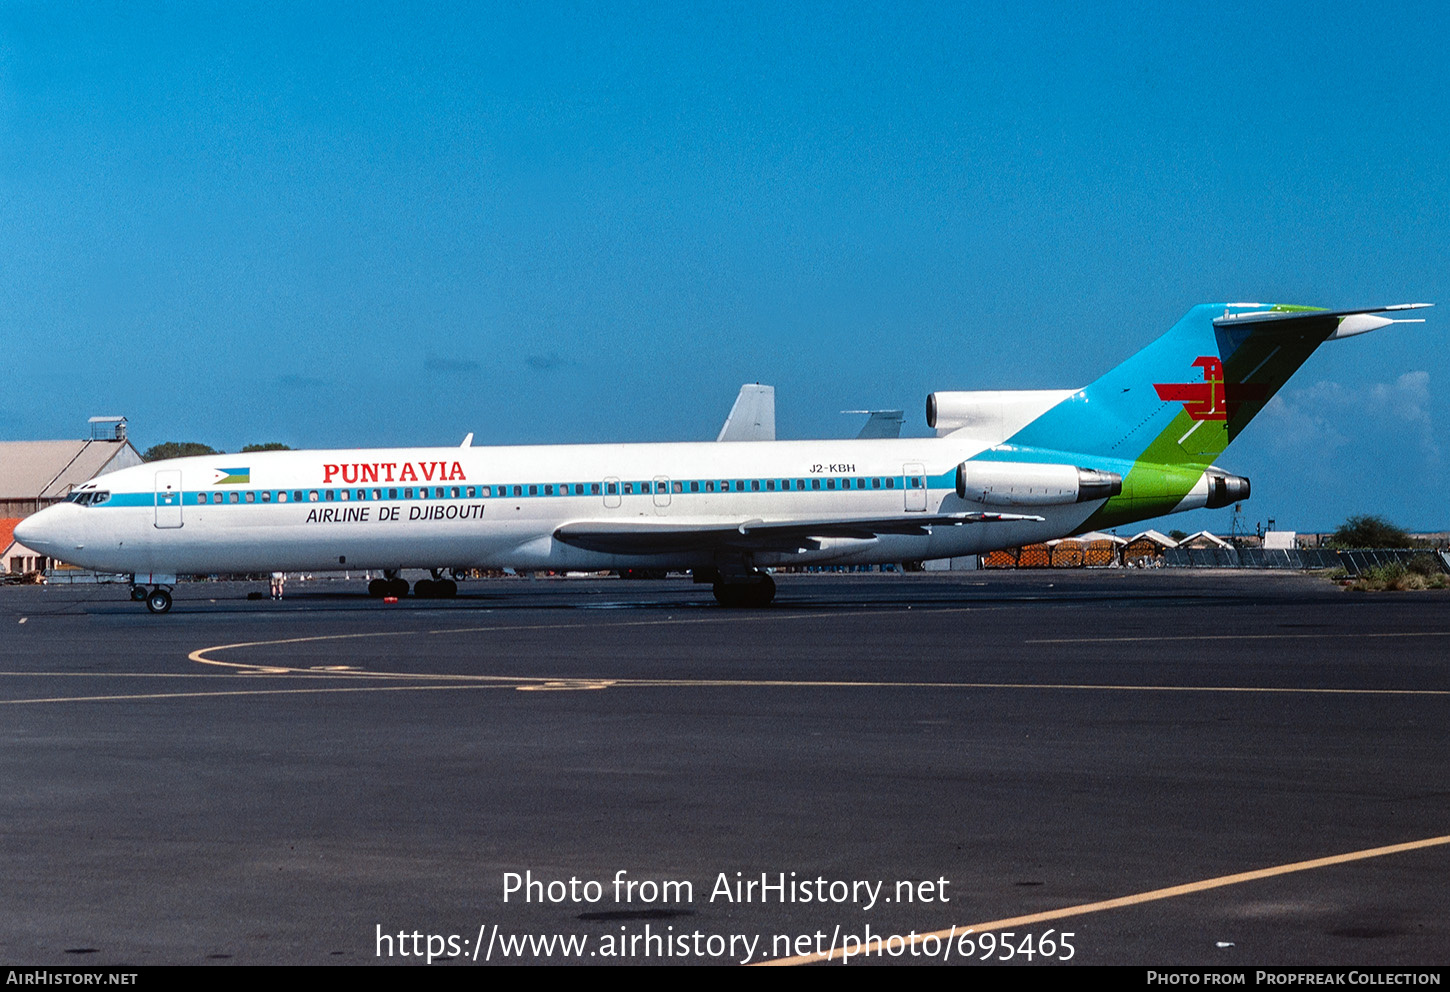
point(138, 594)
point(159, 600)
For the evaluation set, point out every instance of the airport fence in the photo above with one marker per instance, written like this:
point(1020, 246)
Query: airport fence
point(1353, 562)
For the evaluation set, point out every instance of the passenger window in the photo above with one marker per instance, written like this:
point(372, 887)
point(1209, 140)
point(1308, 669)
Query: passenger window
point(312, 496)
point(860, 483)
point(629, 489)
point(677, 487)
point(594, 488)
point(408, 492)
point(548, 490)
point(282, 496)
point(362, 494)
point(266, 496)
point(455, 491)
point(422, 492)
point(233, 498)
point(694, 487)
point(518, 490)
point(755, 484)
point(891, 483)
point(875, 483)
point(251, 497)
point(709, 487)
point(343, 494)
point(533, 490)
point(330, 495)
point(815, 483)
point(830, 483)
point(613, 488)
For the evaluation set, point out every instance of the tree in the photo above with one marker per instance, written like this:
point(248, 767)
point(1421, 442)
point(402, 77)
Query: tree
point(1178, 535)
point(269, 446)
point(177, 449)
point(1366, 531)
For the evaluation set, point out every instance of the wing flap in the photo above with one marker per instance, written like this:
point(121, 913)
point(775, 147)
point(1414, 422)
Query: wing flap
point(647, 537)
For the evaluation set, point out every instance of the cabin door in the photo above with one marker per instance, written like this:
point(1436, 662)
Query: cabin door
point(915, 486)
point(168, 498)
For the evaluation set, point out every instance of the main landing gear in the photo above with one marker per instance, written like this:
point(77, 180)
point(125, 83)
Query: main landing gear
point(757, 591)
point(434, 588)
point(391, 585)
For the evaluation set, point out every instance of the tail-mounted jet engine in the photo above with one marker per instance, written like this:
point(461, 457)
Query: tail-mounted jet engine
point(1028, 484)
point(1225, 490)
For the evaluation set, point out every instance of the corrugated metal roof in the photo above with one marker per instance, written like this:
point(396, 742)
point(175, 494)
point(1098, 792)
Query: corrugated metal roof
point(48, 469)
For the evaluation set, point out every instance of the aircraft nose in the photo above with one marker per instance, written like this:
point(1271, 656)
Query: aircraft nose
point(40, 531)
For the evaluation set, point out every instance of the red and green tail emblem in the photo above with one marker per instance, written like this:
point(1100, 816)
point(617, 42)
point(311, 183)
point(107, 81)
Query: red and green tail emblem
point(1213, 398)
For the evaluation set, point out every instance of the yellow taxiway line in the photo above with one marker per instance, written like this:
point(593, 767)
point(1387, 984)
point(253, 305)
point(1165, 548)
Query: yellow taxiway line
point(1136, 899)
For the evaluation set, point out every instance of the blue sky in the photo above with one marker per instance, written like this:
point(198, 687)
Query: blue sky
point(355, 225)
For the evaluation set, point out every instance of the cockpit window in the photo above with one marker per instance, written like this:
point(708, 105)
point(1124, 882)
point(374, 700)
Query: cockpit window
point(98, 498)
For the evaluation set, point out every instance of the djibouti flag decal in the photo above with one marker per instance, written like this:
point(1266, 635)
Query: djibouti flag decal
point(232, 477)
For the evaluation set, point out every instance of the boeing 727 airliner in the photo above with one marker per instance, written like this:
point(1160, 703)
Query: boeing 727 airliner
point(1007, 468)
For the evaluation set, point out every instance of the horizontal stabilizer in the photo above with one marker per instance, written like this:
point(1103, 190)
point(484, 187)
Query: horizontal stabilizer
point(1288, 316)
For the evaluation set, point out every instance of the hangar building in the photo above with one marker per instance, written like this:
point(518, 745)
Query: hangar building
point(35, 474)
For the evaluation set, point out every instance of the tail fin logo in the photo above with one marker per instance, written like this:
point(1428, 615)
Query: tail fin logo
point(1213, 398)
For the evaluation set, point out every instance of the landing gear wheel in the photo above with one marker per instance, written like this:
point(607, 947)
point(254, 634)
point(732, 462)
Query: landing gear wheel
point(760, 593)
point(425, 589)
point(378, 588)
point(752, 594)
point(138, 594)
point(398, 587)
point(159, 601)
point(446, 589)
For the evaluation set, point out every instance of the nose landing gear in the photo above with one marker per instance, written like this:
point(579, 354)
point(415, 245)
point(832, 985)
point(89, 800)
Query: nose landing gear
point(158, 600)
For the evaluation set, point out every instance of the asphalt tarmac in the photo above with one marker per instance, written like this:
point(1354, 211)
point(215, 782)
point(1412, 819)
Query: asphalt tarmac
point(1172, 767)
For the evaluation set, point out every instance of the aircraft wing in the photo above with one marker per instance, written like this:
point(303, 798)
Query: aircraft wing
point(648, 537)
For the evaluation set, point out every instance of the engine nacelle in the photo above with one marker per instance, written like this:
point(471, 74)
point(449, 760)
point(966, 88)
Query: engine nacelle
point(1225, 490)
point(993, 414)
point(1031, 484)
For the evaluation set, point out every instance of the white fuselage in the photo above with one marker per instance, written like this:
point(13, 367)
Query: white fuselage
point(500, 507)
